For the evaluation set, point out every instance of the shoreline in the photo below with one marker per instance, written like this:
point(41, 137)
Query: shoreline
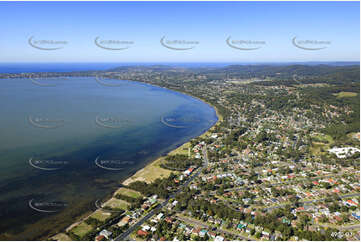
point(151, 165)
point(154, 163)
point(133, 178)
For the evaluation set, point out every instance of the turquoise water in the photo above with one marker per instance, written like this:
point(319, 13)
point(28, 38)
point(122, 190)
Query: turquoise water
point(67, 142)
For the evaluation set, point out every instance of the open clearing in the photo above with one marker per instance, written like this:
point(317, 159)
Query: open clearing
point(149, 173)
point(322, 138)
point(345, 94)
point(128, 192)
point(320, 143)
point(116, 203)
point(82, 229)
point(100, 215)
point(181, 150)
point(354, 135)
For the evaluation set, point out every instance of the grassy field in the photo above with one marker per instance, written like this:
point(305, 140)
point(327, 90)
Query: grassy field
point(354, 135)
point(345, 94)
point(327, 139)
point(318, 148)
point(128, 192)
point(181, 150)
point(149, 173)
point(314, 85)
point(116, 203)
point(320, 143)
point(82, 229)
point(100, 215)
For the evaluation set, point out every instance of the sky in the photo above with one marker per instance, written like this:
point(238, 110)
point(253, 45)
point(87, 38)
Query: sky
point(320, 31)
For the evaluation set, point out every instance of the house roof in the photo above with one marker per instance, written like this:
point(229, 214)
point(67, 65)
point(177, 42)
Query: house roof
point(99, 237)
point(142, 233)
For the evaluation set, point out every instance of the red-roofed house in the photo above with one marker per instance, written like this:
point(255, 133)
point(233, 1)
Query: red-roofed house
point(142, 233)
point(196, 231)
point(352, 202)
point(100, 238)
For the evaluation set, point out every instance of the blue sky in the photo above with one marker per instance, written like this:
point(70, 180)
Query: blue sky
point(208, 23)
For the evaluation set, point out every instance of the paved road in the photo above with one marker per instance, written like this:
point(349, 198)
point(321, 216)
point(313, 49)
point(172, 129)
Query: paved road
point(139, 223)
point(125, 235)
point(204, 225)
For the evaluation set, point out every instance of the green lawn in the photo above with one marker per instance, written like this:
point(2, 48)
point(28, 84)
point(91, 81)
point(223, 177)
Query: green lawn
point(128, 192)
point(345, 94)
point(150, 173)
point(116, 203)
point(321, 141)
point(100, 215)
point(182, 150)
point(353, 135)
point(322, 138)
point(82, 229)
